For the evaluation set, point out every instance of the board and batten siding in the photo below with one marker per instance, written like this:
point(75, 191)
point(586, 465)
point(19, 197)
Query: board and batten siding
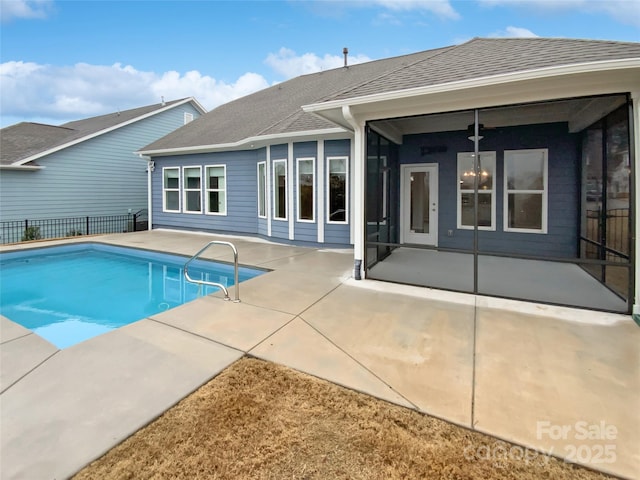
point(563, 187)
point(101, 176)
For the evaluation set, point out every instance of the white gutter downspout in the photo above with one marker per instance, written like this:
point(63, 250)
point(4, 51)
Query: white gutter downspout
point(358, 191)
point(151, 166)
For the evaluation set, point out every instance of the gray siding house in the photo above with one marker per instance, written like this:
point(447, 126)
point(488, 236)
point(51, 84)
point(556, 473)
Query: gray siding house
point(82, 168)
point(497, 167)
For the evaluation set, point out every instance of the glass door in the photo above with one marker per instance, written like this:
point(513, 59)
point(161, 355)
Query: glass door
point(419, 204)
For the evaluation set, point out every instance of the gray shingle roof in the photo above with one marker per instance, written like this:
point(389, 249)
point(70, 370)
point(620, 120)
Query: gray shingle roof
point(25, 139)
point(482, 57)
point(277, 110)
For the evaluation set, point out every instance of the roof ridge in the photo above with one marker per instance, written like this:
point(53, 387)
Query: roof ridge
point(401, 67)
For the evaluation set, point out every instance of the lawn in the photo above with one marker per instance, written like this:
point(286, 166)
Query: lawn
point(258, 420)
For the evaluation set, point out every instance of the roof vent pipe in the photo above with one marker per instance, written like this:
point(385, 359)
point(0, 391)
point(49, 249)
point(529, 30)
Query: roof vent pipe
point(345, 52)
point(163, 103)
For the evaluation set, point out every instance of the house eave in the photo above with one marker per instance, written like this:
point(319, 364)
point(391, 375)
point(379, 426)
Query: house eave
point(252, 143)
point(332, 109)
point(29, 168)
point(49, 151)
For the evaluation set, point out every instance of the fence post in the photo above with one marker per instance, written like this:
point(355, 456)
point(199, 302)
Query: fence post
point(135, 217)
point(87, 225)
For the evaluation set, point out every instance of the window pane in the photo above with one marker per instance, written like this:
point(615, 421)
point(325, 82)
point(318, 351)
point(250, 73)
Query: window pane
point(213, 202)
point(525, 210)
point(193, 201)
point(337, 190)
point(305, 189)
point(525, 171)
point(192, 178)
point(484, 209)
point(280, 190)
point(171, 178)
point(172, 200)
point(262, 190)
point(338, 165)
point(216, 177)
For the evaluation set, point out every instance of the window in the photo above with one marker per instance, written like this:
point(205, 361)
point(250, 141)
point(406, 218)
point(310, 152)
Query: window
point(216, 189)
point(486, 186)
point(192, 189)
point(306, 169)
point(262, 189)
point(337, 186)
point(280, 189)
point(525, 191)
point(188, 117)
point(171, 189)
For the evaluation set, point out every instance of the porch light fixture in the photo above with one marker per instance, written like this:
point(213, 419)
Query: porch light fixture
point(471, 130)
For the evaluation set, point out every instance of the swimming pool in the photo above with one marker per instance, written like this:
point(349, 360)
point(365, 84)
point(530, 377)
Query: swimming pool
point(70, 293)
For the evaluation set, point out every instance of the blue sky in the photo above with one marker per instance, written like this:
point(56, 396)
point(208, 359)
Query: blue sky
point(62, 60)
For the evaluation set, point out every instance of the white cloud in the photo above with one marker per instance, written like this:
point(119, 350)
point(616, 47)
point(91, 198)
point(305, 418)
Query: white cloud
point(60, 94)
point(515, 32)
point(441, 8)
point(624, 11)
point(12, 9)
point(290, 65)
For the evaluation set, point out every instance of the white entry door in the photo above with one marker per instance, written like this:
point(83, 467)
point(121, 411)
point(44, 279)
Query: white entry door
point(419, 204)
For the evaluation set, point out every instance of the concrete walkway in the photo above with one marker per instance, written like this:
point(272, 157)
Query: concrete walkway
point(543, 377)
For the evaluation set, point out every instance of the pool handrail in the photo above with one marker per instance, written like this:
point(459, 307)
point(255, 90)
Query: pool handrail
point(214, 284)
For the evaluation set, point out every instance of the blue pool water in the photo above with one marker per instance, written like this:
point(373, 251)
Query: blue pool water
point(71, 293)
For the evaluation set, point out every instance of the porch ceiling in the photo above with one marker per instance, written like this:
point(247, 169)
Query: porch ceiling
point(579, 113)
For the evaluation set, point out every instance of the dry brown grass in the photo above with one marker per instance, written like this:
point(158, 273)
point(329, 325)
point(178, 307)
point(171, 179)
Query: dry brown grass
point(258, 420)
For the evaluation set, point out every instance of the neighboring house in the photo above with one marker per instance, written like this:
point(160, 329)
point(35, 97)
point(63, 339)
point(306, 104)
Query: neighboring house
point(82, 168)
point(469, 168)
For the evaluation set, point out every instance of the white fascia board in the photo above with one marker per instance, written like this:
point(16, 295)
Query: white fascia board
point(102, 132)
point(30, 168)
point(261, 140)
point(542, 73)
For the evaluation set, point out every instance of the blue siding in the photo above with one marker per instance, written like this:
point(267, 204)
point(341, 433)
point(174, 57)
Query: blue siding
point(242, 199)
point(563, 187)
point(242, 206)
point(100, 176)
point(337, 233)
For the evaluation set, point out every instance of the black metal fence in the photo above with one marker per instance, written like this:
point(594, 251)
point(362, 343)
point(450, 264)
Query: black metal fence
point(27, 230)
point(608, 235)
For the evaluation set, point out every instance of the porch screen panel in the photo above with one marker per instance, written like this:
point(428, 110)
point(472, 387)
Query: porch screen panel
point(616, 218)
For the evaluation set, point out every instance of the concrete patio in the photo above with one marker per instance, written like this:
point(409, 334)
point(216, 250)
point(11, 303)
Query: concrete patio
point(519, 371)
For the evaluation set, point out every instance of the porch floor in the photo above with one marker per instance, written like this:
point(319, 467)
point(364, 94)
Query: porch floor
point(540, 281)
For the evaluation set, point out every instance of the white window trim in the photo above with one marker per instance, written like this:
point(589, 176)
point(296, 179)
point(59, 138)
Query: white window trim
point(164, 190)
point(313, 199)
point(185, 190)
point(264, 199)
point(544, 192)
point(207, 190)
point(275, 189)
point(188, 117)
point(489, 156)
point(346, 188)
